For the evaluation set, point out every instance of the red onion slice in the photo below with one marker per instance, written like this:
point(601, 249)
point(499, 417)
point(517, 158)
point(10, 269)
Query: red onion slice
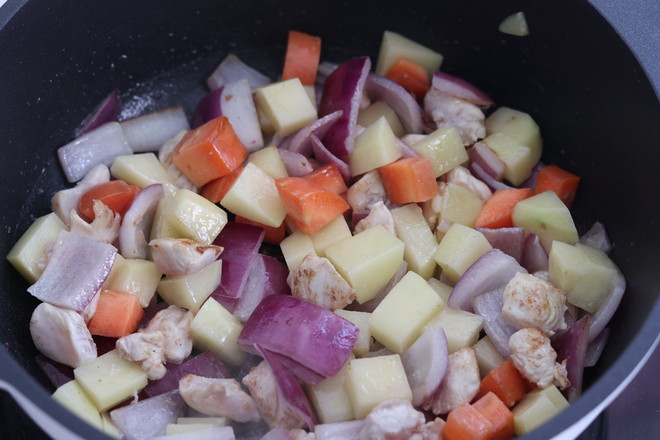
point(574, 350)
point(150, 131)
point(491, 271)
point(254, 290)
point(209, 107)
point(107, 111)
point(308, 334)
point(597, 238)
point(343, 91)
point(403, 103)
point(135, 227)
point(277, 433)
point(58, 374)
point(149, 418)
point(461, 88)
point(233, 69)
point(324, 156)
point(481, 174)
point(488, 160)
point(296, 164)
point(602, 317)
point(534, 257)
point(301, 142)
point(596, 347)
point(489, 306)
point(339, 430)
point(76, 271)
point(425, 363)
point(508, 240)
point(406, 150)
point(99, 146)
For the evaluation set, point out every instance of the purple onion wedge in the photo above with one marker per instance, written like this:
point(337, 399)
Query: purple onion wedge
point(596, 347)
point(508, 240)
point(597, 238)
point(135, 227)
point(574, 350)
point(489, 306)
point(324, 156)
point(301, 142)
point(296, 164)
point(150, 417)
point(602, 317)
point(233, 69)
point(254, 290)
point(339, 430)
point(58, 374)
point(461, 88)
point(107, 111)
point(403, 103)
point(150, 131)
point(480, 173)
point(488, 160)
point(534, 256)
point(425, 363)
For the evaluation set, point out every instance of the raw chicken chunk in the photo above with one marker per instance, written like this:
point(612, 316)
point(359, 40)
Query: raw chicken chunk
point(104, 227)
point(147, 349)
point(174, 323)
point(182, 256)
point(316, 280)
point(461, 382)
point(67, 199)
point(447, 110)
point(218, 398)
point(379, 214)
point(535, 358)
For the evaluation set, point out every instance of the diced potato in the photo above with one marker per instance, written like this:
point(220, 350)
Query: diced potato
point(135, 276)
point(459, 248)
point(517, 125)
point(334, 232)
point(143, 170)
point(487, 355)
point(109, 426)
point(287, 105)
point(461, 328)
point(548, 217)
point(190, 291)
point(375, 147)
point(330, 398)
point(584, 273)
point(536, 408)
point(215, 421)
point(370, 381)
point(270, 162)
point(254, 196)
point(188, 215)
point(398, 320)
point(295, 247)
point(367, 260)
point(109, 379)
point(444, 148)
point(519, 159)
point(412, 229)
point(361, 320)
point(460, 205)
point(377, 110)
point(440, 288)
point(175, 428)
point(515, 24)
point(215, 329)
point(33, 244)
point(73, 397)
point(394, 46)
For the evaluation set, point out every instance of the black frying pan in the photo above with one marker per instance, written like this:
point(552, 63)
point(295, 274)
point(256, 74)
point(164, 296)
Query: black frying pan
point(598, 114)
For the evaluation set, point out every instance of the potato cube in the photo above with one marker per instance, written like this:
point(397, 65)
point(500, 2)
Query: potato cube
point(487, 355)
point(375, 147)
point(461, 328)
point(519, 159)
point(398, 320)
point(334, 232)
point(143, 170)
point(254, 196)
point(35, 241)
point(190, 291)
point(444, 148)
point(367, 260)
point(109, 379)
point(516, 125)
point(216, 330)
point(377, 110)
point(460, 205)
point(287, 105)
point(394, 46)
point(420, 243)
point(109, 427)
point(361, 320)
point(536, 408)
point(270, 162)
point(135, 276)
point(370, 381)
point(459, 248)
point(295, 247)
point(440, 288)
point(73, 397)
point(176, 428)
point(330, 398)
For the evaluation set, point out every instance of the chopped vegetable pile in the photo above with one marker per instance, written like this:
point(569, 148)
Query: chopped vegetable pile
point(349, 251)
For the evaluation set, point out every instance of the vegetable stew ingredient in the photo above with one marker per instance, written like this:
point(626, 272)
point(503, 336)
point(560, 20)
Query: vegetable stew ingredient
point(117, 314)
point(562, 182)
point(409, 180)
point(303, 52)
point(116, 195)
point(498, 209)
point(410, 75)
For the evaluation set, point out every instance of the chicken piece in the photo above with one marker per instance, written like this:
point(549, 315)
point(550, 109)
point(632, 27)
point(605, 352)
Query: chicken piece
point(367, 191)
point(165, 156)
point(447, 110)
point(433, 430)
point(90, 308)
point(531, 302)
point(461, 382)
point(273, 408)
point(463, 177)
point(147, 349)
point(182, 256)
point(394, 419)
point(411, 139)
point(316, 280)
point(218, 398)
point(534, 357)
point(67, 199)
point(174, 323)
point(104, 227)
point(62, 335)
point(378, 215)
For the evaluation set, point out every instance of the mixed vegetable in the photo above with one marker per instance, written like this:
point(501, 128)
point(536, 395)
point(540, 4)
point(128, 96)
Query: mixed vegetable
point(341, 253)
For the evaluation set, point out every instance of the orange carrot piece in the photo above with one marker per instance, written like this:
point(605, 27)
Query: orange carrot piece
point(466, 423)
point(328, 177)
point(506, 382)
point(209, 152)
point(303, 52)
point(409, 180)
point(411, 76)
point(497, 414)
point(273, 235)
point(556, 179)
point(216, 189)
point(309, 207)
point(117, 314)
point(497, 211)
point(116, 195)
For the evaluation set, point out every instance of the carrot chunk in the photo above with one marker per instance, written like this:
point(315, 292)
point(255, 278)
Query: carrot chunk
point(209, 152)
point(273, 235)
point(308, 206)
point(556, 179)
point(506, 382)
point(411, 76)
point(216, 189)
point(116, 195)
point(328, 177)
point(303, 52)
point(497, 414)
point(466, 423)
point(117, 314)
point(497, 211)
point(409, 180)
